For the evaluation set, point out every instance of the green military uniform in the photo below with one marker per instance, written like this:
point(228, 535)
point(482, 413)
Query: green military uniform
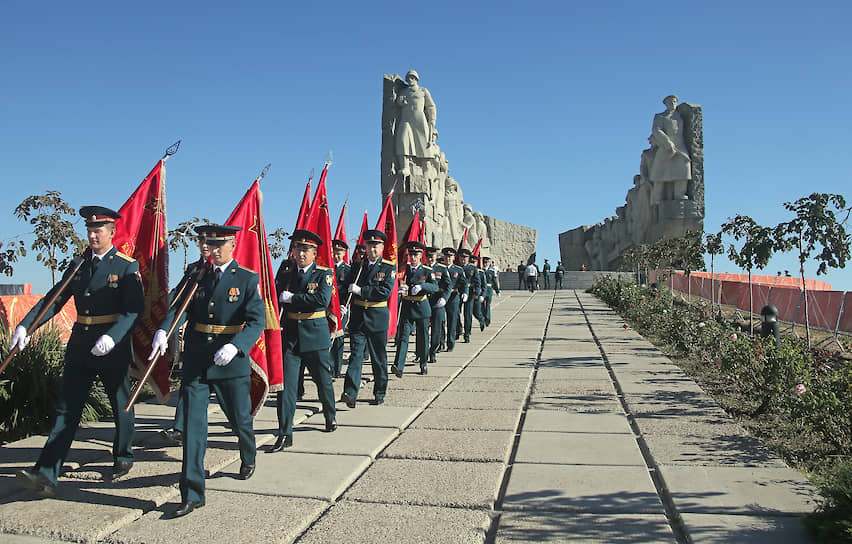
point(522, 276)
point(560, 272)
point(545, 274)
point(458, 287)
point(439, 309)
point(415, 312)
point(223, 311)
point(473, 292)
point(340, 272)
point(368, 324)
point(492, 285)
point(479, 303)
point(307, 340)
point(108, 298)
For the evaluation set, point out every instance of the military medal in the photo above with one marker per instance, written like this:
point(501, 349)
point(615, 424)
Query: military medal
point(312, 288)
point(328, 280)
point(112, 280)
point(233, 294)
point(380, 276)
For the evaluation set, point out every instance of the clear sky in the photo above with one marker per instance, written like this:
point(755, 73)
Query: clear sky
point(543, 107)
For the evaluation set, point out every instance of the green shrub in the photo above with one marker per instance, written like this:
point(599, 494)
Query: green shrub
point(832, 521)
point(31, 385)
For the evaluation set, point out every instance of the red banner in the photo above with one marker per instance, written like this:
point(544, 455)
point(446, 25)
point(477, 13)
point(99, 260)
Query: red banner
point(319, 223)
point(340, 231)
point(413, 234)
point(387, 224)
point(302, 218)
point(141, 233)
point(477, 248)
point(364, 227)
point(267, 359)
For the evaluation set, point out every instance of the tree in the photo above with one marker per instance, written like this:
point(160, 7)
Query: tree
point(54, 233)
point(10, 255)
point(757, 248)
point(713, 246)
point(278, 248)
point(183, 235)
point(816, 226)
point(688, 255)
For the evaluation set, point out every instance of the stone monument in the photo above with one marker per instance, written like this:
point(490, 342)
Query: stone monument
point(416, 169)
point(666, 200)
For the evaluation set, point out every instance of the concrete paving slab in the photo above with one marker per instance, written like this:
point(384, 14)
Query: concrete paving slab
point(479, 400)
point(719, 450)
point(721, 529)
point(491, 372)
point(24, 539)
point(374, 523)
point(413, 380)
point(696, 425)
point(345, 440)
point(489, 384)
point(435, 483)
point(631, 385)
point(576, 403)
point(397, 417)
point(446, 445)
point(576, 360)
point(575, 422)
point(442, 369)
point(683, 405)
point(555, 528)
point(484, 361)
point(738, 490)
point(578, 449)
point(467, 420)
point(590, 373)
point(295, 474)
point(415, 398)
point(573, 387)
point(581, 488)
point(223, 519)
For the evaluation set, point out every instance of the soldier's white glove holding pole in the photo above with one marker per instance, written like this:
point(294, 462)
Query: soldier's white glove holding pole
point(403, 289)
point(464, 297)
point(416, 289)
point(441, 303)
point(355, 289)
point(225, 354)
point(286, 297)
point(103, 346)
point(159, 345)
point(481, 299)
point(20, 338)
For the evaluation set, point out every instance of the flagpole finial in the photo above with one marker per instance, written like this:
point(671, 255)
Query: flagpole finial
point(264, 172)
point(172, 149)
point(329, 159)
point(311, 175)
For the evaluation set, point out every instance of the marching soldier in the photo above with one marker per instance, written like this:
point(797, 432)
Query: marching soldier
point(545, 274)
point(522, 276)
point(438, 302)
point(473, 291)
point(560, 272)
point(479, 301)
point(108, 297)
point(306, 338)
point(224, 320)
point(492, 285)
point(371, 282)
point(415, 310)
point(458, 292)
point(341, 270)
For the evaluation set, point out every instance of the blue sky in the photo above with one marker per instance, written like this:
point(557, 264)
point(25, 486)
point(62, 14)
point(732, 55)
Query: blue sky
point(543, 107)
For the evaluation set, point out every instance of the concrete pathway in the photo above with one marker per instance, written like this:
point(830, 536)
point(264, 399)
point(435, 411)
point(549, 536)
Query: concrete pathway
point(554, 425)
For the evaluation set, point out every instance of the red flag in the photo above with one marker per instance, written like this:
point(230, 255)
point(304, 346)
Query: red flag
point(463, 242)
point(412, 234)
point(303, 210)
point(267, 371)
point(476, 249)
point(319, 223)
point(387, 224)
point(340, 231)
point(422, 238)
point(364, 227)
point(141, 233)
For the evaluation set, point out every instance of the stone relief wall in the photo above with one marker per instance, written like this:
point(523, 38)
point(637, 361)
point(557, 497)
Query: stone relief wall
point(413, 165)
point(666, 200)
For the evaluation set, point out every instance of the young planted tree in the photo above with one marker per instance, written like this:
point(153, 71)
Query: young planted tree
point(10, 254)
point(55, 239)
point(183, 235)
point(277, 242)
point(755, 252)
point(713, 246)
point(816, 227)
point(688, 255)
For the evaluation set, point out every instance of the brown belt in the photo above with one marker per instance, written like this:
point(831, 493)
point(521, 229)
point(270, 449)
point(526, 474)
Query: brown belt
point(414, 298)
point(369, 304)
point(217, 329)
point(97, 319)
point(306, 315)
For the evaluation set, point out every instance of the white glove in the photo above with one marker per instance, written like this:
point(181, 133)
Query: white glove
point(403, 289)
point(355, 289)
point(416, 289)
point(464, 297)
point(103, 346)
point(344, 310)
point(441, 303)
point(20, 338)
point(286, 297)
point(159, 345)
point(481, 299)
point(498, 295)
point(225, 354)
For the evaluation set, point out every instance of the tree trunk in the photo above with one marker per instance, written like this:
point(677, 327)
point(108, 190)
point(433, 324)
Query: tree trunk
point(805, 294)
point(750, 305)
point(712, 286)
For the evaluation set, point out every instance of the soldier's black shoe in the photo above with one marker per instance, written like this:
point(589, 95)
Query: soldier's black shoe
point(172, 436)
point(482, 326)
point(449, 349)
point(423, 371)
point(186, 507)
point(283, 441)
point(467, 339)
point(378, 401)
point(349, 401)
point(396, 371)
point(330, 426)
point(121, 468)
point(441, 347)
point(337, 375)
point(35, 480)
point(246, 471)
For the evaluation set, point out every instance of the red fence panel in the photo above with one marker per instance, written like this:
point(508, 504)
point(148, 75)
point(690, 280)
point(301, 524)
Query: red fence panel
point(823, 308)
point(14, 308)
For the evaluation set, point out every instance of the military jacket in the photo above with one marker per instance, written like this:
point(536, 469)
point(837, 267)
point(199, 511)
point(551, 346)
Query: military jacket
point(340, 272)
point(560, 270)
point(305, 315)
point(474, 283)
point(111, 293)
point(492, 282)
point(458, 281)
point(417, 306)
point(369, 310)
point(233, 302)
point(482, 282)
point(546, 269)
point(441, 272)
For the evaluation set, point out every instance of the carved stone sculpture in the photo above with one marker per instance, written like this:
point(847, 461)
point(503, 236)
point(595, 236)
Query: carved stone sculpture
point(670, 168)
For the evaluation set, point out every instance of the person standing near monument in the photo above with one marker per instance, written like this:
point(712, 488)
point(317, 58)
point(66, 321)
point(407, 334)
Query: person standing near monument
point(474, 290)
point(224, 320)
point(532, 276)
point(108, 297)
point(415, 310)
point(479, 301)
point(458, 293)
point(415, 124)
point(438, 301)
point(545, 274)
point(492, 285)
point(522, 277)
point(306, 336)
point(341, 270)
point(371, 282)
point(560, 272)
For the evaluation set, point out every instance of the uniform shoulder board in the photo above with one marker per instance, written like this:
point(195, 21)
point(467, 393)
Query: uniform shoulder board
point(429, 268)
point(247, 269)
point(322, 267)
point(125, 257)
point(387, 262)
